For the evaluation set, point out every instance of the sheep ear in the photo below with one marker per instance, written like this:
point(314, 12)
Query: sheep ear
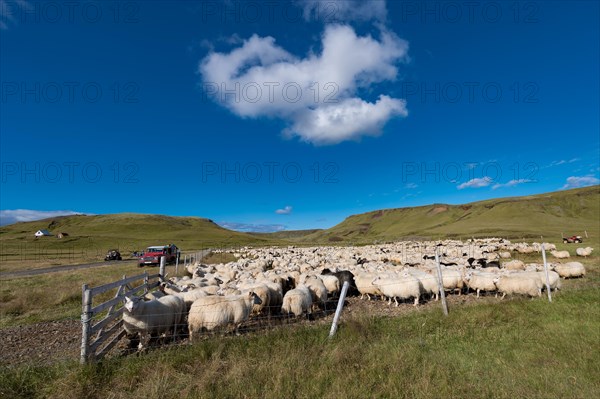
point(128, 304)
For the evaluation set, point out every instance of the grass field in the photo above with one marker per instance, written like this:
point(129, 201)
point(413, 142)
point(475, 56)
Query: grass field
point(525, 348)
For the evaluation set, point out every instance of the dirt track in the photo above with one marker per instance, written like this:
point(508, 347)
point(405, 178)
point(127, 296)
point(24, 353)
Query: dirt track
point(54, 269)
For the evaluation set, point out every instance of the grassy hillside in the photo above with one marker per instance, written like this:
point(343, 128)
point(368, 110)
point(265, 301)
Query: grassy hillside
point(549, 215)
point(287, 234)
point(90, 236)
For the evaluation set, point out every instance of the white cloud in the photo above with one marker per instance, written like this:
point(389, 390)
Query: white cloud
point(347, 120)
point(315, 95)
point(561, 162)
point(511, 183)
point(285, 211)
point(580, 181)
point(10, 216)
point(343, 10)
point(476, 183)
point(411, 185)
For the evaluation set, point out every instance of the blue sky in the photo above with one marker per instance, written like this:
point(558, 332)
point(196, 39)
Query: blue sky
point(292, 115)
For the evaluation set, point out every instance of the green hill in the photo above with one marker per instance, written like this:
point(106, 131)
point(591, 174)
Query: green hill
point(127, 232)
point(548, 215)
point(287, 234)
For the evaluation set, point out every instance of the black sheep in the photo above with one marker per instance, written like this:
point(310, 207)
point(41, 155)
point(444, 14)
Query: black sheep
point(493, 263)
point(448, 263)
point(343, 276)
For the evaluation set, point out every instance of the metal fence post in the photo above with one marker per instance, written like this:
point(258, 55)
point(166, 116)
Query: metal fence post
point(338, 311)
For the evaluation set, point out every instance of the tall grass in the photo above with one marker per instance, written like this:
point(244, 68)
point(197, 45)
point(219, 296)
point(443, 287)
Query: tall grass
point(57, 296)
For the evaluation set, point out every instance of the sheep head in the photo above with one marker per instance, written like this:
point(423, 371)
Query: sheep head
point(131, 303)
point(255, 298)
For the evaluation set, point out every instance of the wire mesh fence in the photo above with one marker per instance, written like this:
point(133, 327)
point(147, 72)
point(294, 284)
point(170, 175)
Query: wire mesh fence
point(54, 341)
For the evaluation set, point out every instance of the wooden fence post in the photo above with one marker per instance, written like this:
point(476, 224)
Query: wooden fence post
point(145, 282)
point(86, 317)
point(163, 263)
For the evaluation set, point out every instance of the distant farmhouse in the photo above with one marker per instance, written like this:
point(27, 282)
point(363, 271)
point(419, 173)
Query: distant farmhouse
point(61, 235)
point(43, 233)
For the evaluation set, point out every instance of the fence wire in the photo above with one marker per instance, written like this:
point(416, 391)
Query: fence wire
point(68, 330)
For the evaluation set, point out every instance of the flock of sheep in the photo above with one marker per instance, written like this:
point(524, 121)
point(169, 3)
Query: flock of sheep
point(297, 281)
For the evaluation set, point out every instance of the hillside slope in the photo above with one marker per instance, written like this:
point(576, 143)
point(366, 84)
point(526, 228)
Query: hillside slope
point(549, 215)
point(126, 231)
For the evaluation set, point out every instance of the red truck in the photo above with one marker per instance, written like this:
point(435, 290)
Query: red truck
point(153, 254)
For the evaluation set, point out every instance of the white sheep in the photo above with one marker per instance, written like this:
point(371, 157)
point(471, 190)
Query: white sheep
point(560, 254)
point(210, 290)
point(585, 252)
point(480, 281)
point(190, 296)
point(364, 284)
point(553, 278)
point(170, 288)
point(332, 283)
point(154, 295)
point(297, 301)
point(317, 290)
point(452, 280)
point(154, 317)
point(570, 269)
point(514, 264)
point(212, 312)
point(525, 249)
point(505, 254)
point(403, 286)
point(276, 290)
point(549, 247)
point(428, 282)
point(225, 291)
point(518, 283)
point(263, 292)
